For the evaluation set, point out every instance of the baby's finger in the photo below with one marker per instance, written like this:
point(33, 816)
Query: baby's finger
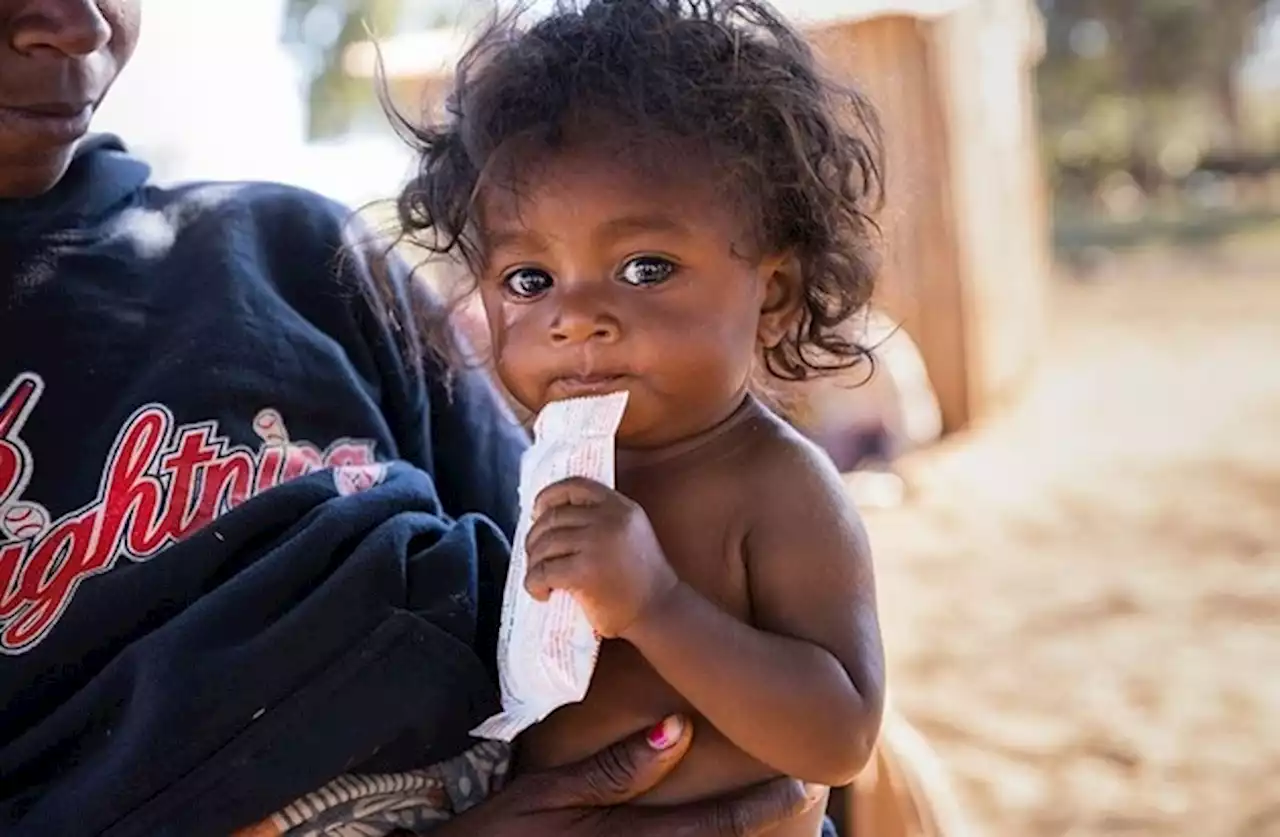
point(562, 517)
point(574, 491)
point(551, 574)
point(554, 541)
point(552, 546)
point(539, 590)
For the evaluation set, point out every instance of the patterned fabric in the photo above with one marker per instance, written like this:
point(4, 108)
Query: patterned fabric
point(378, 805)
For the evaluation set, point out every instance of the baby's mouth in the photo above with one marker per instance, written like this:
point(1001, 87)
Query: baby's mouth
point(593, 383)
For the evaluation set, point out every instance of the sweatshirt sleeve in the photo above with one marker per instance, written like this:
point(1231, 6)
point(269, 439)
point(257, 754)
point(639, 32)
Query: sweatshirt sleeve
point(451, 423)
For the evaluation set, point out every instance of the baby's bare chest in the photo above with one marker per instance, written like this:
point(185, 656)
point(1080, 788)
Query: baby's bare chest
point(701, 523)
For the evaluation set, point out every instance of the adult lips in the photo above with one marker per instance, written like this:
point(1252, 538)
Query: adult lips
point(55, 110)
point(47, 121)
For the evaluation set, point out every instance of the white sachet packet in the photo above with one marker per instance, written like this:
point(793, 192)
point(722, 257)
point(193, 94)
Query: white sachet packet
point(547, 650)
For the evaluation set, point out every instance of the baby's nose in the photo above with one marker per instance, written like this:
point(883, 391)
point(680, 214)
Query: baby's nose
point(583, 327)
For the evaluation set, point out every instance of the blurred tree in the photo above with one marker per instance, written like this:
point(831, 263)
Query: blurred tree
point(1151, 52)
point(320, 31)
point(1231, 35)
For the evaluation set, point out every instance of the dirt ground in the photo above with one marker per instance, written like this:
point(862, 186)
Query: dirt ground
point(1082, 597)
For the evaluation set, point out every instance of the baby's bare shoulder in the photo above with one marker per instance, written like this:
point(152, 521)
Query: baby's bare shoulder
point(782, 460)
point(792, 491)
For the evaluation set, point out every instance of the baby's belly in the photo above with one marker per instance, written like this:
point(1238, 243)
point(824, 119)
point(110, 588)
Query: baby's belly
point(627, 696)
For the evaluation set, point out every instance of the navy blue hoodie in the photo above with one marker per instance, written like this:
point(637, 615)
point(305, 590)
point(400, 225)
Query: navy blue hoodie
point(244, 545)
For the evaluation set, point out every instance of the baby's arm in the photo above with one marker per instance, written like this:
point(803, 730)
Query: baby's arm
point(803, 690)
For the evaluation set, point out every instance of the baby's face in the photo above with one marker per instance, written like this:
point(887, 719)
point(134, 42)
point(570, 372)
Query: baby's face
point(599, 279)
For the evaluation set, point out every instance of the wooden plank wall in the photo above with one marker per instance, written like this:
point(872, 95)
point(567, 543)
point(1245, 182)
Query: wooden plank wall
point(890, 59)
point(985, 60)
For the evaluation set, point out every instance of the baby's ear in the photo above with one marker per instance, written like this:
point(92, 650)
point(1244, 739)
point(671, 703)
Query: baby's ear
point(783, 297)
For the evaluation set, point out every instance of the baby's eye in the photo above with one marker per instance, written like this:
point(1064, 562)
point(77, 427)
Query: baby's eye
point(646, 270)
point(527, 283)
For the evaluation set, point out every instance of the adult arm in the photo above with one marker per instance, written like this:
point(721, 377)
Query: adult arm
point(446, 419)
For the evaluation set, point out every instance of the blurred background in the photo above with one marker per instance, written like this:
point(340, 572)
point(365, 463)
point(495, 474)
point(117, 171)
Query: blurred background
point(1069, 460)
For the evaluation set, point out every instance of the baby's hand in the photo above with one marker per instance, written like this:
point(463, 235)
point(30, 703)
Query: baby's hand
point(599, 546)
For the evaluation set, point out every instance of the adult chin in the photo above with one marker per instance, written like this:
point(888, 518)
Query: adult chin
point(37, 144)
point(34, 175)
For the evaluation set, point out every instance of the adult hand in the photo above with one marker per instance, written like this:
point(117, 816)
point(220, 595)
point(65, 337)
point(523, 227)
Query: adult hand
point(589, 799)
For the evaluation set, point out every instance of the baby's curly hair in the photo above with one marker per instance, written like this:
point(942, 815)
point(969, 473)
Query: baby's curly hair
point(801, 155)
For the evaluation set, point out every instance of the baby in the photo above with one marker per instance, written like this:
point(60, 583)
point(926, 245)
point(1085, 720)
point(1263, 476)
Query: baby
point(663, 197)
point(667, 198)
